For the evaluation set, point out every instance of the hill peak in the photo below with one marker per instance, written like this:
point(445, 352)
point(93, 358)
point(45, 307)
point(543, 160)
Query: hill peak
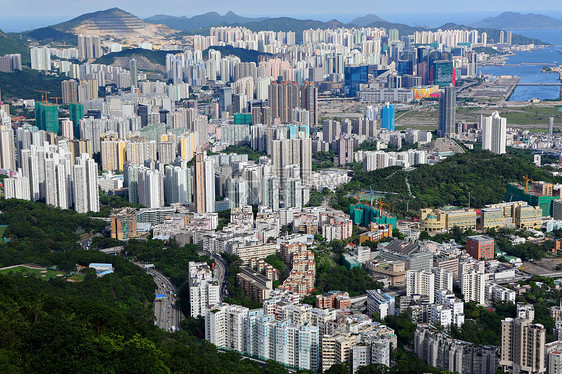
point(514, 20)
point(110, 22)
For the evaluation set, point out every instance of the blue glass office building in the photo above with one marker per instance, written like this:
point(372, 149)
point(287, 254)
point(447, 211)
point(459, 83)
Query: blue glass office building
point(354, 76)
point(388, 117)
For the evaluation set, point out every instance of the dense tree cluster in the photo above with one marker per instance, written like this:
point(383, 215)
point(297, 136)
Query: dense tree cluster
point(482, 326)
point(39, 233)
point(354, 281)
point(244, 150)
point(449, 182)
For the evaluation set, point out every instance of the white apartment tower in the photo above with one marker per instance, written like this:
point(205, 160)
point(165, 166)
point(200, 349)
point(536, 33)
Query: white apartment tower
point(420, 283)
point(204, 290)
point(494, 133)
point(473, 287)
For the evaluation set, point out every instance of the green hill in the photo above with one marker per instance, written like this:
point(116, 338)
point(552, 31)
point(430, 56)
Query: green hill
point(45, 35)
point(483, 174)
point(156, 57)
point(245, 55)
point(22, 84)
point(9, 45)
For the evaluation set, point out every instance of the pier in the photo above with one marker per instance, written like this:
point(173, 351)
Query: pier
point(539, 84)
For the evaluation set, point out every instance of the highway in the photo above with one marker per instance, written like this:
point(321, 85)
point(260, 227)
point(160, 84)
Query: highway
point(167, 315)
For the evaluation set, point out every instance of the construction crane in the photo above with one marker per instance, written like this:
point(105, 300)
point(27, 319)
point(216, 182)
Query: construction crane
point(358, 196)
point(527, 180)
point(44, 95)
point(57, 99)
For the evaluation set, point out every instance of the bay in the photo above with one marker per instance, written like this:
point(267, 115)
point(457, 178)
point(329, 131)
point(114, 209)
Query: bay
point(533, 73)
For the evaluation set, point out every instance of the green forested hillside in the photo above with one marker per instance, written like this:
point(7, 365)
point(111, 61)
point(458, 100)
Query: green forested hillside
point(9, 45)
point(449, 182)
point(23, 84)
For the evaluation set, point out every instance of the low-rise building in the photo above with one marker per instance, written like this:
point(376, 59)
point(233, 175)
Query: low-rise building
point(444, 219)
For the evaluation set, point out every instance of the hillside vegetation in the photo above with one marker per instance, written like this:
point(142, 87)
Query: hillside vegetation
point(449, 182)
point(23, 83)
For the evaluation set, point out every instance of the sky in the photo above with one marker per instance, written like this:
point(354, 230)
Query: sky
point(26, 14)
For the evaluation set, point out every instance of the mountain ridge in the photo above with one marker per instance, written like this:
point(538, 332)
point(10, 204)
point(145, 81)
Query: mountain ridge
point(208, 19)
point(514, 20)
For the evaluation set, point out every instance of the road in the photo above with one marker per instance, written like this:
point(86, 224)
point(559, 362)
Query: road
point(167, 315)
point(85, 244)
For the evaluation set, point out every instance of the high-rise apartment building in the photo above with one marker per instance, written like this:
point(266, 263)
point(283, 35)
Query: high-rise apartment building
point(420, 283)
point(309, 101)
point(199, 182)
point(7, 149)
point(209, 174)
point(494, 133)
point(89, 47)
point(40, 58)
point(443, 279)
point(522, 346)
point(134, 73)
point(10, 63)
point(204, 290)
point(113, 155)
point(473, 286)
point(66, 128)
point(85, 185)
point(69, 91)
point(447, 111)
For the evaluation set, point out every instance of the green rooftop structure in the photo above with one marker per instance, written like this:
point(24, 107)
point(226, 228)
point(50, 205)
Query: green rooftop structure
point(76, 114)
point(47, 117)
point(350, 262)
point(242, 119)
point(515, 192)
point(364, 215)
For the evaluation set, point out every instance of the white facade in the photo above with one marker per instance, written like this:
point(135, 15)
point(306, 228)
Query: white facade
point(494, 133)
point(381, 303)
point(204, 290)
point(473, 287)
point(420, 283)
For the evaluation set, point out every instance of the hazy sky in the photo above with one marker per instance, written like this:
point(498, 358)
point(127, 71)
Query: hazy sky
point(266, 7)
point(25, 14)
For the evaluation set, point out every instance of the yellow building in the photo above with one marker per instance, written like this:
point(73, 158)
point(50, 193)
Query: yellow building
point(444, 219)
point(187, 146)
point(113, 155)
point(528, 216)
point(376, 233)
point(513, 214)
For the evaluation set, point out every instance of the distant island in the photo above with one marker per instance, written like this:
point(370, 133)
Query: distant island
point(514, 20)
